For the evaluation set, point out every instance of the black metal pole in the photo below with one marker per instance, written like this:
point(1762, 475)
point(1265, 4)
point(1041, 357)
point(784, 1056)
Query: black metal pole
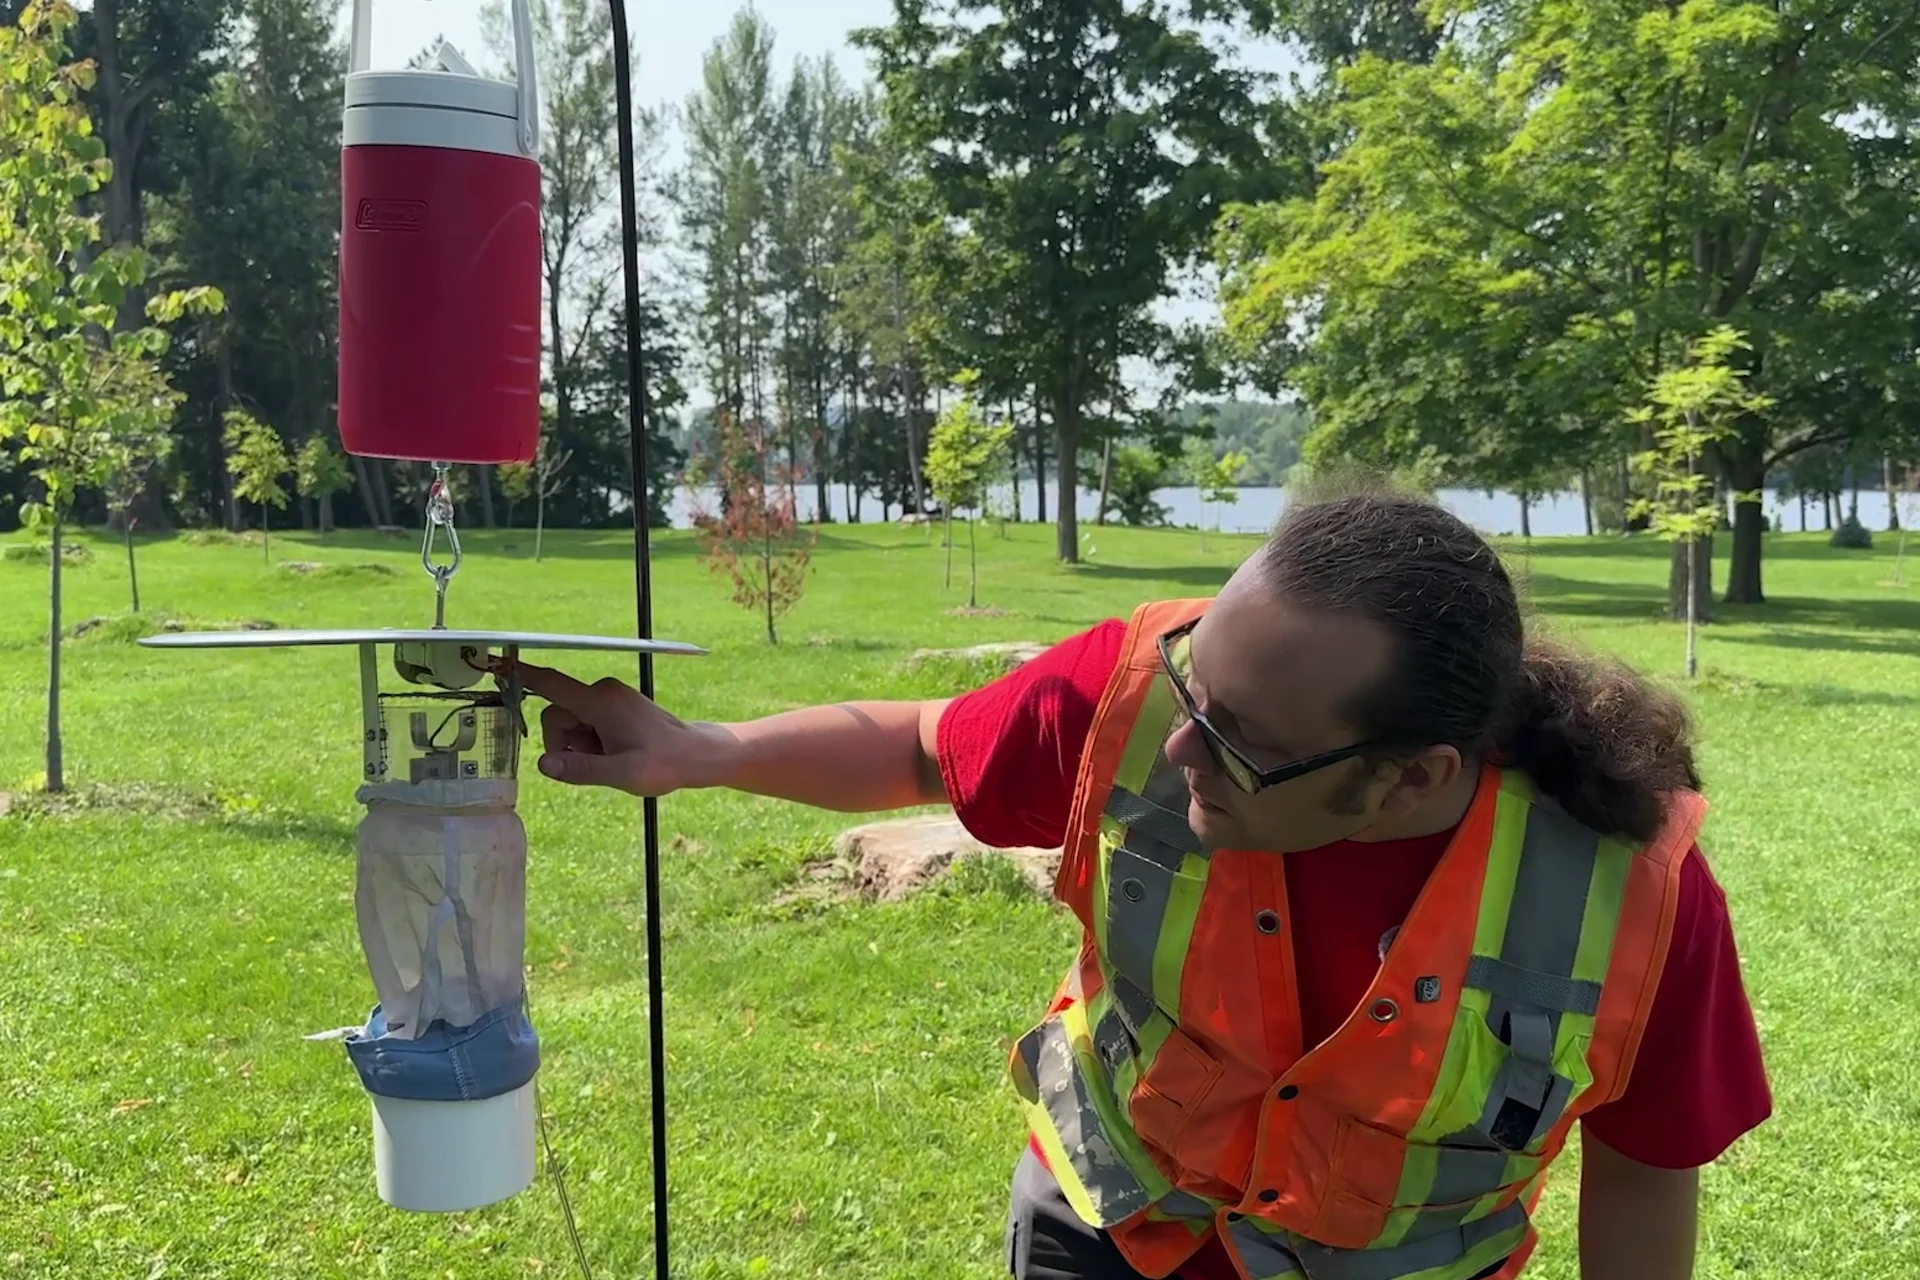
point(637, 417)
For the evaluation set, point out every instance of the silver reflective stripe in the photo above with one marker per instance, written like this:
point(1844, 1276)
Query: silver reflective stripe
point(1182, 1204)
point(1162, 824)
point(1111, 1187)
point(1528, 986)
point(1137, 893)
point(1135, 1005)
point(1435, 1250)
point(1266, 1257)
point(1460, 1174)
point(1167, 787)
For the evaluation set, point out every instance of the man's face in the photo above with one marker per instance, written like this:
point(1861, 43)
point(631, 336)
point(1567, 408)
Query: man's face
point(1273, 681)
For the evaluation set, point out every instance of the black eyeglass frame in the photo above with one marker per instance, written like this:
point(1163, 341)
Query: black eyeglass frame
point(1235, 763)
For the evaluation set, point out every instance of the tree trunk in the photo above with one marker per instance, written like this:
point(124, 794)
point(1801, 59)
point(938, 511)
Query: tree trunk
point(1066, 421)
point(948, 514)
point(1747, 473)
point(911, 395)
point(133, 573)
point(1828, 518)
point(1893, 493)
point(973, 567)
point(539, 517)
point(1526, 516)
point(326, 514)
point(1803, 512)
point(1586, 497)
point(822, 508)
point(1702, 581)
point(266, 536)
point(1106, 481)
point(1013, 471)
point(483, 485)
point(56, 776)
point(1039, 464)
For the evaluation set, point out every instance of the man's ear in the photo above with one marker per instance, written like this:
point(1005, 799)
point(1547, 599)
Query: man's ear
point(1418, 778)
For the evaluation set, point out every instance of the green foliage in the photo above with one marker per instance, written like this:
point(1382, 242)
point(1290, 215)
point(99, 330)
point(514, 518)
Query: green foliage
point(1691, 408)
point(1852, 535)
point(965, 453)
point(1085, 147)
point(319, 469)
point(256, 459)
point(1136, 473)
point(1216, 477)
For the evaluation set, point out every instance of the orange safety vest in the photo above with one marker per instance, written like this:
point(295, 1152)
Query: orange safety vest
point(1414, 1141)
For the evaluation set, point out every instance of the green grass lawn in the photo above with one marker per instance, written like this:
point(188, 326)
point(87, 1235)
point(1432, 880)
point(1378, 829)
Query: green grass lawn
point(837, 1100)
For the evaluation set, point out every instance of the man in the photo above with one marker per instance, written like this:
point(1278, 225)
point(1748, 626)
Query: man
point(1379, 898)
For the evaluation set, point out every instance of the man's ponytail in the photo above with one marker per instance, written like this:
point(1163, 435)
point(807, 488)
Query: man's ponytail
point(1598, 738)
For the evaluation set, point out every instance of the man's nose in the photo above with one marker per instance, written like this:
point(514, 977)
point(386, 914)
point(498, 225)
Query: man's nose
point(1186, 748)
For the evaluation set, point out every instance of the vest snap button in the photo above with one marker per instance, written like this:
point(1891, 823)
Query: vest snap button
point(1288, 1092)
point(1269, 1196)
point(1267, 922)
point(1133, 890)
point(1384, 1010)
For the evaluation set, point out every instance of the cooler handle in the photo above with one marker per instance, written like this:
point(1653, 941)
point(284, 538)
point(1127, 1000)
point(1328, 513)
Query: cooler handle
point(525, 77)
point(360, 58)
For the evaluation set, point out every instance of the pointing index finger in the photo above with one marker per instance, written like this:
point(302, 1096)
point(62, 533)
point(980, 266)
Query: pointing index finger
point(557, 687)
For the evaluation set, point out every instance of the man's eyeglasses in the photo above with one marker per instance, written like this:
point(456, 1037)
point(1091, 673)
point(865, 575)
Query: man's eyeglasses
point(1235, 763)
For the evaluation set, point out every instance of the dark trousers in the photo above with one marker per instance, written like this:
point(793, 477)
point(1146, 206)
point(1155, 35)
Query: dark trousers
point(1046, 1239)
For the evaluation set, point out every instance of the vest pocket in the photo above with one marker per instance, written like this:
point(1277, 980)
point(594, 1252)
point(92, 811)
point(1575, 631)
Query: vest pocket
point(1173, 1087)
point(1382, 1184)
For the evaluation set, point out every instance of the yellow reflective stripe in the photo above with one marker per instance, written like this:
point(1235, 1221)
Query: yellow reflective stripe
point(1150, 725)
point(1176, 931)
point(1503, 863)
point(1111, 836)
point(1605, 894)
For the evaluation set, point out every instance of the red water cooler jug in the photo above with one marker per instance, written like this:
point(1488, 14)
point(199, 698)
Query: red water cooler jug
point(440, 267)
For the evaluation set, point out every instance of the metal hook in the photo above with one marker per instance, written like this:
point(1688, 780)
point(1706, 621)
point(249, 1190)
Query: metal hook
point(440, 515)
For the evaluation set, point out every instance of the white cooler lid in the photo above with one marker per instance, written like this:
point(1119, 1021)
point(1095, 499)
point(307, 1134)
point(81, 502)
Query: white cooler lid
point(432, 89)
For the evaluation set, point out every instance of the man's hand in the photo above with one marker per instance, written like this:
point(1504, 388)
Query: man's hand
point(608, 734)
point(1637, 1222)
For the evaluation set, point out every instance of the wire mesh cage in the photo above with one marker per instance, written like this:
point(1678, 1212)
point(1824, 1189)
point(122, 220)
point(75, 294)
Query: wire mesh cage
point(426, 736)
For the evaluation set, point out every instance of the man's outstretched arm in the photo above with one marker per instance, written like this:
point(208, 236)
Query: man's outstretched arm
point(854, 757)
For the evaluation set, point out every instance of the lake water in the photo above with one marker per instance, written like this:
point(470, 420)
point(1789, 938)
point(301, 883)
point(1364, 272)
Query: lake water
point(1498, 513)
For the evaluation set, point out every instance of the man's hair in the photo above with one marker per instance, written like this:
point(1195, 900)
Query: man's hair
point(1594, 735)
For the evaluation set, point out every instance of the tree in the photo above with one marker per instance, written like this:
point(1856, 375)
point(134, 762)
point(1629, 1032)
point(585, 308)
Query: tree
point(963, 455)
point(319, 473)
point(1509, 240)
point(516, 484)
point(256, 459)
point(754, 538)
point(723, 204)
point(76, 388)
point(129, 453)
point(549, 463)
point(1214, 477)
point(1087, 146)
point(1690, 409)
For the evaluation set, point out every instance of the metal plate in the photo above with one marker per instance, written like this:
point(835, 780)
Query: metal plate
point(492, 639)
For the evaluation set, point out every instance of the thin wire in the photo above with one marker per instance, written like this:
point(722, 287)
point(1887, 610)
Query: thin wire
point(557, 1172)
point(643, 607)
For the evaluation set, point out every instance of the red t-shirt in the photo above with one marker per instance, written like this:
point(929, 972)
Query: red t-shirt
point(1009, 753)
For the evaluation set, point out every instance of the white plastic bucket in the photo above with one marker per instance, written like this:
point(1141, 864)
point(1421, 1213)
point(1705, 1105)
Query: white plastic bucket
point(442, 1157)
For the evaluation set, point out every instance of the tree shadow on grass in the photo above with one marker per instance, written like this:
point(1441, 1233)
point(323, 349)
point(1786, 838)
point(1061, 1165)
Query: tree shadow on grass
point(1790, 621)
point(1209, 578)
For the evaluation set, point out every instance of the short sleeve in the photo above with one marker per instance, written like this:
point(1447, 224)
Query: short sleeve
point(1699, 1081)
point(1009, 751)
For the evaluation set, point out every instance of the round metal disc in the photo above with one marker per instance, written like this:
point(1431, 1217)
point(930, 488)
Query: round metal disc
point(373, 635)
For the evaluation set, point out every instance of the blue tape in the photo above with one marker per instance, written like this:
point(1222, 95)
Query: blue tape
point(496, 1055)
